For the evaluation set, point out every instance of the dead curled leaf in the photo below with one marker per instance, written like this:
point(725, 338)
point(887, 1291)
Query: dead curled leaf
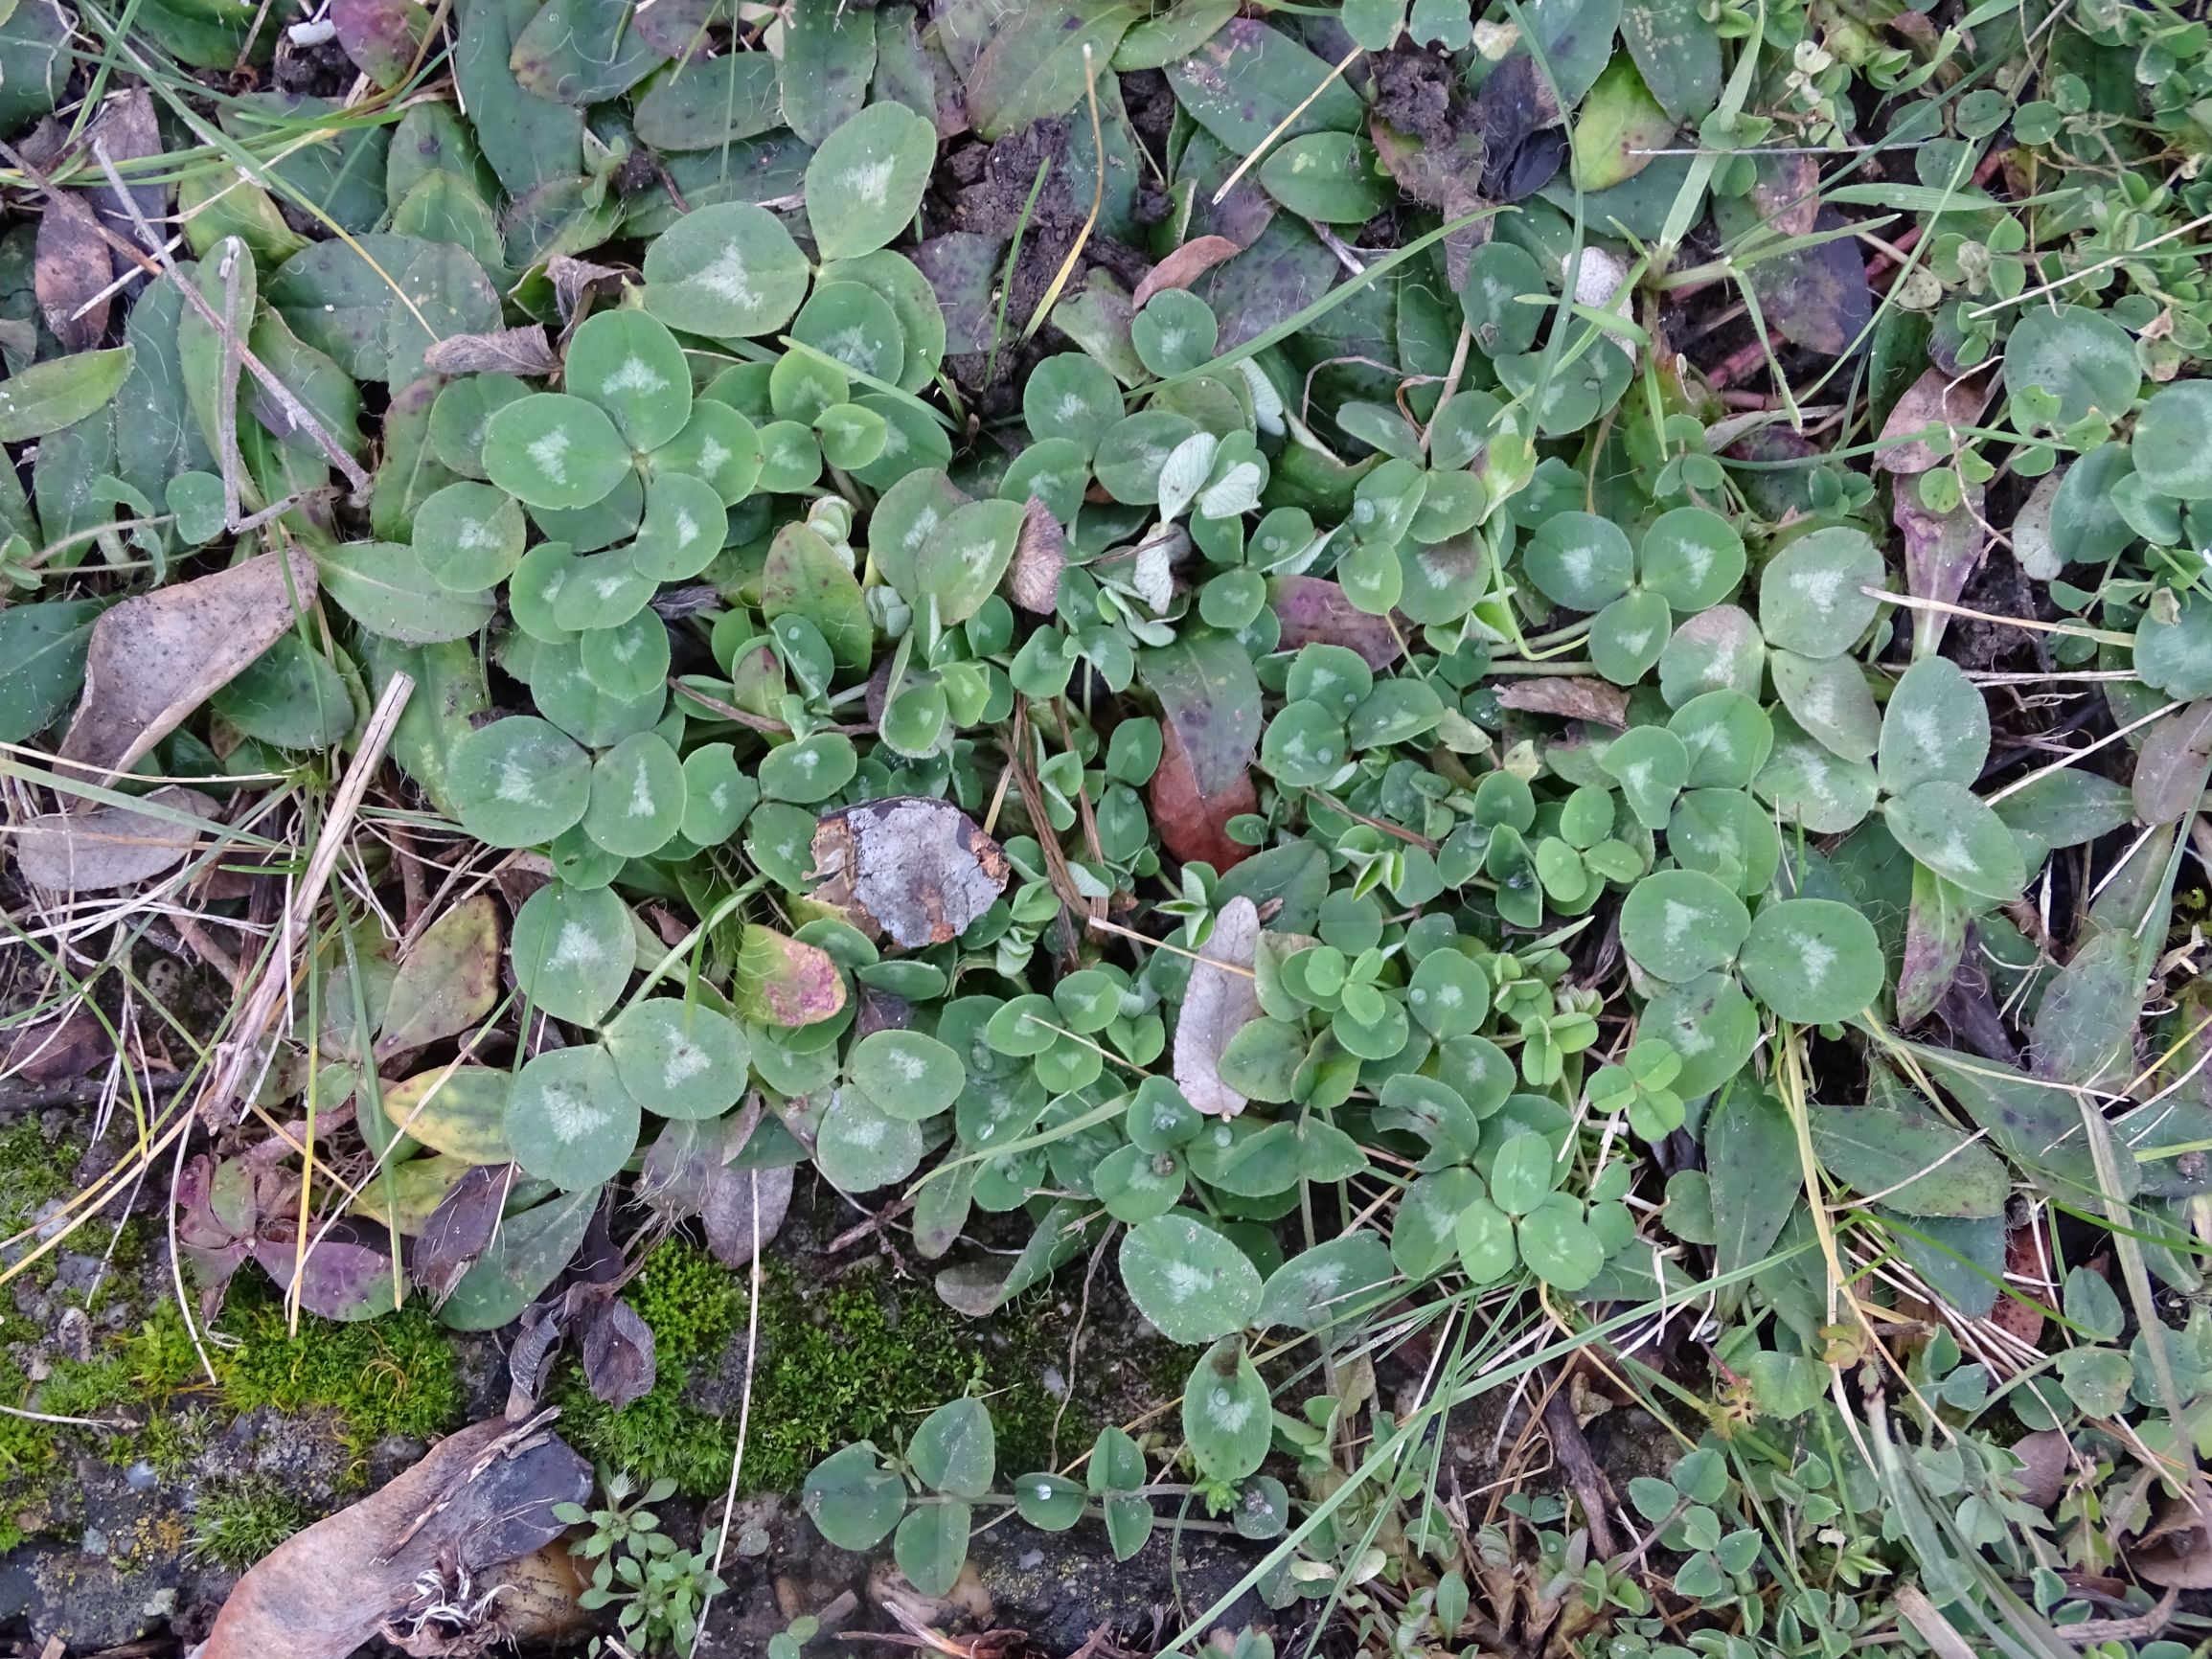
point(1576, 699)
point(1935, 399)
point(108, 846)
point(156, 658)
point(525, 352)
point(127, 131)
point(1183, 268)
point(1039, 556)
point(459, 1230)
point(918, 870)
point(1194, 825)
point(481, 1497)
point(733, 1196)
point(1217, 1004)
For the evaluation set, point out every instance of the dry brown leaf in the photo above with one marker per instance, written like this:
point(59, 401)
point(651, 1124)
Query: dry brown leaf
point(108, 846)
point(1039, 556)
point(1576, 699)
point(2175, 1552)
point(1217, 1004)
point(732, 1196)
point(1934, 399)
point(127, 131)
point(58, 1048)
point(480, 1498)
point(507, 352)
point(1183, 268)
point(156, 658)
point(917, 869)
point(2045, 1455)
point(1194, 825)
point(71, 272)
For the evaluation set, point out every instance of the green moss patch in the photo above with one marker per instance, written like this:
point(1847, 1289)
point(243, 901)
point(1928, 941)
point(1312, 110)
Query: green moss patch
point(865, 1358)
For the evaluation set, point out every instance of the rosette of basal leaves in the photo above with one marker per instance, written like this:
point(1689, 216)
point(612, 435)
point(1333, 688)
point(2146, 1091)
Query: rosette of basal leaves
point(626, 437)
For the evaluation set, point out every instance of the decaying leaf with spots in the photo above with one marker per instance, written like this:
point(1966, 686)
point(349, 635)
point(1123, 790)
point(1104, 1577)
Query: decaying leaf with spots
point(447, 981)
point(915, 869)
point(782, 982)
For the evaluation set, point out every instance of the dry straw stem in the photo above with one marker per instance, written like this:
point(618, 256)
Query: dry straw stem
point(243, 1048)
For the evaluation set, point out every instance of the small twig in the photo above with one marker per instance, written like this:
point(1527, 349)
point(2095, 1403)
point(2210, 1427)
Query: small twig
point(1573, 1452)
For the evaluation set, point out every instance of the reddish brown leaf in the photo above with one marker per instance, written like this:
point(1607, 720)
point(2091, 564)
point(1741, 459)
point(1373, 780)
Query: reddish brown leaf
point(918, 870)
point(1575, 699)
point(71, 273)
point(1311, 608)
point(381, 36)
point(2170, 771)
point(1194, 825)
point(1039, 556)
point(1935, 399)
point(2021, 1314)
point(1183, 268)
